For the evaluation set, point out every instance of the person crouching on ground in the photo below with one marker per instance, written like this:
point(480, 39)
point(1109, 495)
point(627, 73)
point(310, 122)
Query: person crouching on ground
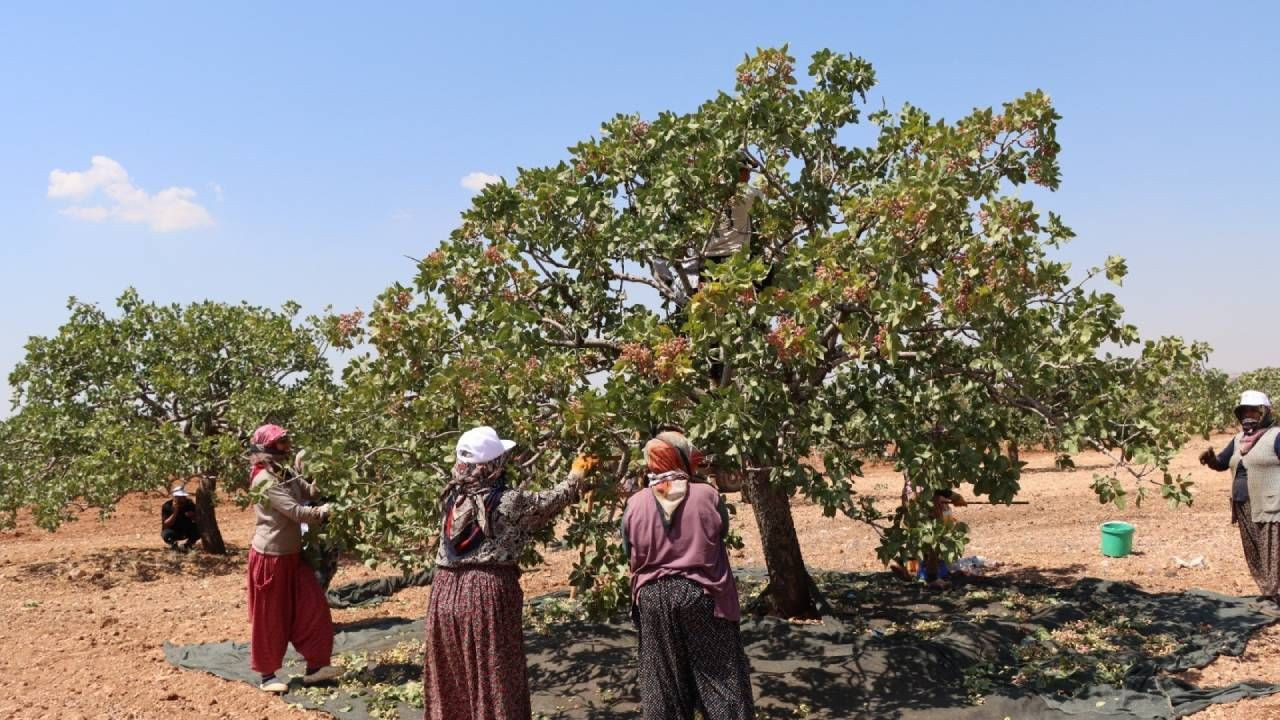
point(286, 605)
point(475, 662)
point(1253, 457)
point(930, 569)
point(178, 521)
point(683, 597)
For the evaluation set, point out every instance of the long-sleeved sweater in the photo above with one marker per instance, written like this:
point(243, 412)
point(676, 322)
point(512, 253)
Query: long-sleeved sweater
point(280, 514)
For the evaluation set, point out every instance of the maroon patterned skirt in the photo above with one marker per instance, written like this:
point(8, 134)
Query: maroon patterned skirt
point(1261, 544)
point(475, 662)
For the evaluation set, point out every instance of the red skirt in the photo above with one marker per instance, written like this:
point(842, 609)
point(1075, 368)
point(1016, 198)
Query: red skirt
point(475, 663)
point(286, 605)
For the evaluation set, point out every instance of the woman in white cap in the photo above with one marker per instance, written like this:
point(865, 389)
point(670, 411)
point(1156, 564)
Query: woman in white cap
point(1253, 457)
point(475, 662)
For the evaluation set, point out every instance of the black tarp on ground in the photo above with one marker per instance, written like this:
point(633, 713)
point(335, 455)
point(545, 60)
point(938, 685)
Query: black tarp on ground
point(890, 650)
point(372, 591)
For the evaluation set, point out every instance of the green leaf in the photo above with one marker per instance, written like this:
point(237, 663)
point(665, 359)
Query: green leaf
point(1116, 269)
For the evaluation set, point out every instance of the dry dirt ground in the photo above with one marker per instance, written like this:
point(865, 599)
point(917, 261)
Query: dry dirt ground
point(84, 613)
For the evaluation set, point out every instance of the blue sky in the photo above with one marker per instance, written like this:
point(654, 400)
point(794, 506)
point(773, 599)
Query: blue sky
point(318, 144)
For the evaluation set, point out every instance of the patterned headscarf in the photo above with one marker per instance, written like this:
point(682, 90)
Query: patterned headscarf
point(673, 462)
point(470, 499)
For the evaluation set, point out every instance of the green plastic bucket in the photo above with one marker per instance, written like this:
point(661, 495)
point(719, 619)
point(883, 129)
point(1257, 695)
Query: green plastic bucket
point(1117, 539)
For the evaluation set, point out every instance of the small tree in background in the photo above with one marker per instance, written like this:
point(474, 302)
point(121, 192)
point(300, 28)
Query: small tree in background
point(119, 403)
point(1265, 379)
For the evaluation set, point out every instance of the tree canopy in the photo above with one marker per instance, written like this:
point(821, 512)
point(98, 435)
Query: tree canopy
point(115, 403)
point(894, 299)
point(803, 285)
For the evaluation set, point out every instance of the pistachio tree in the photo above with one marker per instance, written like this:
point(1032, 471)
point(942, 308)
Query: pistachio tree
point(1265, 379)
point(895, 297)
point(133, 400)
point(1201, 399)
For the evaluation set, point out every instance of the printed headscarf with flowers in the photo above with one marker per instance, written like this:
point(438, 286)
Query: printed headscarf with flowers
point(673, 462)
point(470, 499)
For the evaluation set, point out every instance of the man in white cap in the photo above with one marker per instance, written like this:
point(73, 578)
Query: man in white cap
point(178, 521)
point(1253, 457)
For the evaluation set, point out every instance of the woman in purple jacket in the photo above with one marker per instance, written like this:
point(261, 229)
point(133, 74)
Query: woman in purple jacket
point(683, 598)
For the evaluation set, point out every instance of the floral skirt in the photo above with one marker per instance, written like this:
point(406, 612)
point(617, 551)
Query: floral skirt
point(475, 662)
point(1261, 543)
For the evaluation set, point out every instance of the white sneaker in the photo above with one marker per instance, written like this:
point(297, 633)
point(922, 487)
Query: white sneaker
point(275, 685)
point(324, 674)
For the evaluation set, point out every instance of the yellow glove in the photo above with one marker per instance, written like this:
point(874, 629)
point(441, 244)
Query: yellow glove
point(584, 464)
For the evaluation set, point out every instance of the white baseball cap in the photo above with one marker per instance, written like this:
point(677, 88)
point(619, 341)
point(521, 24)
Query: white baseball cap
point(179, 492)
point(481, 445)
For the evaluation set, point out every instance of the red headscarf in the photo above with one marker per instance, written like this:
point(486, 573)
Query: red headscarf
point(261, 453)
point(671, 450)
point(672, 462)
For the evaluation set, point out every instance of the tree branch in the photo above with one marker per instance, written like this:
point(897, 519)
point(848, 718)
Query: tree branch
point(571, 341)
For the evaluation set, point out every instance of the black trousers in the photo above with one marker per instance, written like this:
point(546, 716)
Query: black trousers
point(171, 536)
point(689, 659)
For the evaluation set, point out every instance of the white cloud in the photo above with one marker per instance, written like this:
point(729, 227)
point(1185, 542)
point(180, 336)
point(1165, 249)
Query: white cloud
point(102, 172)
point(169, 210)
point(217, 190)
point(97, 213)
point(401, 216)
point(476, 181)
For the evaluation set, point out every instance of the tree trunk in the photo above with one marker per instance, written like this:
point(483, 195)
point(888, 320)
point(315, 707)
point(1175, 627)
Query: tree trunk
point(1013, 452)
point(210, 535)
point(791, 592)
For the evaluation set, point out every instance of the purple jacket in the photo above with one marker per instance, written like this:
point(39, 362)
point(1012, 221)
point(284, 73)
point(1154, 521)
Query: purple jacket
point(692, 548)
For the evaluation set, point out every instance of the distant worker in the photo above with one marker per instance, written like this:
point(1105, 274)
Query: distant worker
point(930, 569)
point(178, 521)
point(731, 232)
point(286, 604)
point(1253, 457)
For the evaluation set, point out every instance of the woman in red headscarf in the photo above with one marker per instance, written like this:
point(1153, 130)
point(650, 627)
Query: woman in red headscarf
point(683, 598)
point(286, 604)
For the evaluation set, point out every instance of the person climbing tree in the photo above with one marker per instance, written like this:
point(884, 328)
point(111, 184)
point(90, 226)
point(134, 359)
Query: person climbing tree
point(730, 233)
